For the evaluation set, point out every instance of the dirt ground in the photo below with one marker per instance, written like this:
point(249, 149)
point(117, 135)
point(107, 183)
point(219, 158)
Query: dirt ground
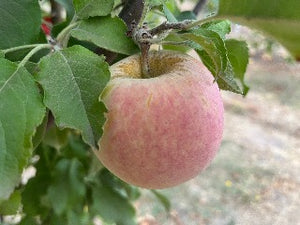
point(255, 178)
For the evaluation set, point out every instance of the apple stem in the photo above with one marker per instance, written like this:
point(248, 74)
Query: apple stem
point(142, 37)
point(145, 37)
point(145, 47)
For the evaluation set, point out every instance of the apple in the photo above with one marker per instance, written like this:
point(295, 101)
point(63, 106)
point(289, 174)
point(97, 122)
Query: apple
point(163, 130)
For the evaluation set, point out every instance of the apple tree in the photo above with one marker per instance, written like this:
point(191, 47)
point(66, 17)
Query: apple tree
point(55, 64)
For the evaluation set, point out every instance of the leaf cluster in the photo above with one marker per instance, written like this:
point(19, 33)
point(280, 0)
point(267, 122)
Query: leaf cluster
point(70, 187)
point(226, 59)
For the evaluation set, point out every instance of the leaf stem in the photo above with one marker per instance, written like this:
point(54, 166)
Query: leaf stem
point(64, 35)
point(5, 51)
point(32, 52)
point(174, 43)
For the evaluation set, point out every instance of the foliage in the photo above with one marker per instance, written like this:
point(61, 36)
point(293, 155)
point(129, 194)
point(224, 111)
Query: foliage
point(49, 96)
point(69, 188)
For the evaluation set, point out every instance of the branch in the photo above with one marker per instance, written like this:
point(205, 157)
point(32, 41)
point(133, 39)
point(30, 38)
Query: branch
point(199, 6)
point(132, 11)
point(119, 5)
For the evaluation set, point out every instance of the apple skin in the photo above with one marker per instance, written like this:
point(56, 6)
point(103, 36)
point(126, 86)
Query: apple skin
point(164, 130)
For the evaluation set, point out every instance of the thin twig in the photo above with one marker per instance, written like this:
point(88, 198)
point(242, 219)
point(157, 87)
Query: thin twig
point(132, 11)
point(169, 26)
point(143, 15)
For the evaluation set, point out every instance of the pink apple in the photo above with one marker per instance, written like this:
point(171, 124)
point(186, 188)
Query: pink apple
point(164, 130)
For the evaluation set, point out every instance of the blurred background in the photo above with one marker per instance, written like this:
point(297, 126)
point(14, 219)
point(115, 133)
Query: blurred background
point(255, 178)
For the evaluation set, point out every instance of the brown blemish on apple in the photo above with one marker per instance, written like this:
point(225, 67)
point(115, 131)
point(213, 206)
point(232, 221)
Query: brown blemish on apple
point(149, 100)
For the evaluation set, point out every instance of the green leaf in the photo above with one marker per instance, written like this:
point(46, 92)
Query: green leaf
point(279, 19)
point(153, 3)
point(119, 186)
point(238, 56)
point(175, 39)
point(40, 132)
point(225, 79)
point(12, 205)
point(27, 220)
point(31, 67)
point(76, 148)
point(81, 218)
point(169, 14)
point(186, 15)
point(72, 80)
point(19, 22)
point(211, 48)
point(68, 189)
point(21, 111)
point(172, 6)
point(58, 220)
point(211, 43)
point(91, 8)
point(106, 32)
point(36, 188)
point(2, 54)
point(112, 206)
point(163, 200)
point(222, 27)
point(56, 137)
